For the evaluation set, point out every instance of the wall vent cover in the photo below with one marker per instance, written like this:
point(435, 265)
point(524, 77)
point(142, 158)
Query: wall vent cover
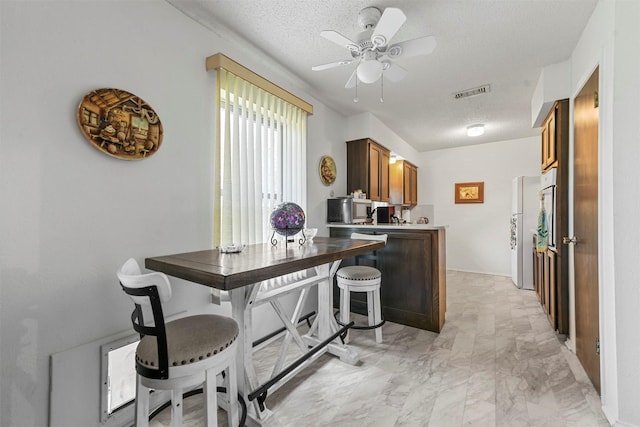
point(472, 92)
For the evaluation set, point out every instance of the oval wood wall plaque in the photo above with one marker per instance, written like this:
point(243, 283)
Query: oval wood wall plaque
point(119, 124)
point(327, 170)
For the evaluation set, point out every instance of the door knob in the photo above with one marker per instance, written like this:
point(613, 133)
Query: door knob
point(569, 240)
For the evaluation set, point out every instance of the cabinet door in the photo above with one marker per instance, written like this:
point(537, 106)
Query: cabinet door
point(413, 185)
point(552, 288)
point(358, 165)
point(396, 183)
point(545, 147)
point(549, 155)
point(534, 263)
point(406, 184)
point(384, 175)
point(374, 173)
point(540, 276)
point(551, 132)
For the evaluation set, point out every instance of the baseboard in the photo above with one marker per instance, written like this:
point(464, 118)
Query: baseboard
point(622, 424)
point(570, 344)
point(479, 272)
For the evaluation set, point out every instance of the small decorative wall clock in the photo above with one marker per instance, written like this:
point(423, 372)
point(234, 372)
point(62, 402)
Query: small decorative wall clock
point(327, 170)
point(119, 124)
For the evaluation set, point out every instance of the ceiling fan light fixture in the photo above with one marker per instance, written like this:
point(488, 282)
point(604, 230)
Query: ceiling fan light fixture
point(475, 130)
point(369, 71)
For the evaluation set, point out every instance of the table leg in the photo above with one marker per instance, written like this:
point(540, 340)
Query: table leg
point(241, 306)
point(325, 324)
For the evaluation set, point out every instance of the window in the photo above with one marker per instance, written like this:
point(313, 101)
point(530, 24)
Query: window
point(260, 159)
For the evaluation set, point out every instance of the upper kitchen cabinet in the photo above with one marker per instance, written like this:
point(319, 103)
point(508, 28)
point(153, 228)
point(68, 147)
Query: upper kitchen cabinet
point(553, 133)
point(368, 169)
point(403, 183)
point(549, 142)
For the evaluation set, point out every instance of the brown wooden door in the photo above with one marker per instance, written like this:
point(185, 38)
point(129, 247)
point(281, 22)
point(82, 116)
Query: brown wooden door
point(585, 122)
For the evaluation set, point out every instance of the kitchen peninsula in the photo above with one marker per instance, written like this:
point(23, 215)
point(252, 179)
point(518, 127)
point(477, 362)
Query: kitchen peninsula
point(413, 266)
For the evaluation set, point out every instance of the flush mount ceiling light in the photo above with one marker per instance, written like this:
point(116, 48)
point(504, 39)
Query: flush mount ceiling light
point(393, 159)
point(475, 130)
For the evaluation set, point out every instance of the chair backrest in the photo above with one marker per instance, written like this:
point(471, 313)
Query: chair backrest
point(131, 277)
point(363, 236)
point(148, 290)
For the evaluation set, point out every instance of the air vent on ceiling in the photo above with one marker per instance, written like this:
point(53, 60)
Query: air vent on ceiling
point(472, 92)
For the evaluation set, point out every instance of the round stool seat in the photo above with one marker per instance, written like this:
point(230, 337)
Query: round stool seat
point(358, 272)
point(190, 340)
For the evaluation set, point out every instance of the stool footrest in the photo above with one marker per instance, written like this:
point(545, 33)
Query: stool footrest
point(364, 327)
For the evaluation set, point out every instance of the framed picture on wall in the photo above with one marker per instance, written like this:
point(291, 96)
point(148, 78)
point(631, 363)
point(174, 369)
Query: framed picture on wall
point(469, 192)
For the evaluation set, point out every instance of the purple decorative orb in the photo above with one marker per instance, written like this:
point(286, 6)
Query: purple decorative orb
point(287, 219)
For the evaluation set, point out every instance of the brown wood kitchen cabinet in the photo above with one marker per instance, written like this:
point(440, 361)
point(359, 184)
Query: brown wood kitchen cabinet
point(368, 168)
point(552, 265)
point(545, 283)
point(403, 183)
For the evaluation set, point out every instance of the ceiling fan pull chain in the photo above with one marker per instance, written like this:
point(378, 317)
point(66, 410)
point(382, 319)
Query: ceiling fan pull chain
point(356, 98)
point(382, 88)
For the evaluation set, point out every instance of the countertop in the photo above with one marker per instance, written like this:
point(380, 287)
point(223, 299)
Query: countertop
point(387, 226)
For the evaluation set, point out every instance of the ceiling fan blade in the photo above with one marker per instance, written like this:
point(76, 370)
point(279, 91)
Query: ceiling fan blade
point(390, 22)
point(394, 72)
point(420, 46)
point(332, 65)
point(337, 38)
point(352, 80)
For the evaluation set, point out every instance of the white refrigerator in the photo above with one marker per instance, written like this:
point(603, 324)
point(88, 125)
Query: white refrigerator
point(525, 204)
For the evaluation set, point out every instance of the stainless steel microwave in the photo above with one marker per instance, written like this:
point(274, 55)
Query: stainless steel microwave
point(347, 210)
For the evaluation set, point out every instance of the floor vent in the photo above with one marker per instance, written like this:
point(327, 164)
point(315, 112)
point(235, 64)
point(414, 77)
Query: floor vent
point(472, 92)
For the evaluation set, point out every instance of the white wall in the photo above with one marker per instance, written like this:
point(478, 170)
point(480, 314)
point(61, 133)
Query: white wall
point(72, 215)
point(626, 158)
point(329, 139)
point(477, 234)
point(366, 125)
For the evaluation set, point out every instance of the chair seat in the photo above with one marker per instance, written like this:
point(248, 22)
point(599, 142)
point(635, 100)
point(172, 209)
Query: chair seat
point(190, 340)
point(358, 272)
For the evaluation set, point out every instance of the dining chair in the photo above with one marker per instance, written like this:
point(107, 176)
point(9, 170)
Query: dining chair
point(362, 278)
point(179, 355)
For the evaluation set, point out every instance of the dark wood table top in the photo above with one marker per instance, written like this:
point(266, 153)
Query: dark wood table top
point(257, 262)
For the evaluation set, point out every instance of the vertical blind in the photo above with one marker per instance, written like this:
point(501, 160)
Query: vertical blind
point(260, 159)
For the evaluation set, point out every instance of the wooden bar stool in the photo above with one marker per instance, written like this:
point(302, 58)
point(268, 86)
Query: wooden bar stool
point(361, 278)
point(179, 355)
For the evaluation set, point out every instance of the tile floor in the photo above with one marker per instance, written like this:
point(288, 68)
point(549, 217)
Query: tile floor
point(496, 363)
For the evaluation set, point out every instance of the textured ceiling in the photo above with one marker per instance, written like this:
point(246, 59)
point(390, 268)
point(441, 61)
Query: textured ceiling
point(502, 43)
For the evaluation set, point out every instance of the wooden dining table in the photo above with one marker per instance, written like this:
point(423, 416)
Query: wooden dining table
point(264, 273)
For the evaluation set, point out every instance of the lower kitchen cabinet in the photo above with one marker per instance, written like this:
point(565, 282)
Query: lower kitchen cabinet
point(413, 267)
point(545, 282)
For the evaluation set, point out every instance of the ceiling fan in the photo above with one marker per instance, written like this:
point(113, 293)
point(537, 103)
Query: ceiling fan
point(371, 50)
